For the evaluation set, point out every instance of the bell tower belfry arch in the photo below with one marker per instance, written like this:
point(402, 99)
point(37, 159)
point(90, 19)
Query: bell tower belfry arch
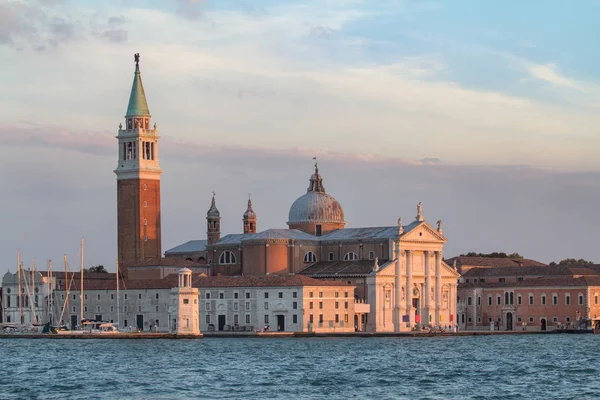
point(138, 181)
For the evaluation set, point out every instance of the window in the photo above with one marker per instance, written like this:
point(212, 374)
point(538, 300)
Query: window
point(567, 299)
point(280, 295)
point(490, 319)
point(568, 319)
point(530, 319)
point(221, 295)
point(112, 296)
point(266, 305)
point(266, 295)
point(156, 308)
point(479, 319)
point(337, 305)
point(235, 305)
point(208, 318)
point(310, 318)
point(85, 309)
point(125, 323)
point(145, 222)
point(139, 296)
point(346, 318)
point(346, 293)
point(469, 301)
point(227, 257)
point(331, 256)
point(73, 308)
point(489, 300)
point(580, 299)
point(337, 294)
point(320, 318)
point(530, 299)
point(145, 204)
point(125, 296)
point(501, 280)
point(310, 257)
point(543, 299)
point(207, 295)
point(207, 306)
point(371, 255)
point(346, 305)
point(236, 319)
point(295, 295)
point(350, 256)
point(112, 308)
point(125, 308)
point(98, 309)
point(520, 279)
point(506, 298)
point(512, 298)
point(295, 319)
point(337, 318)
point(247, 318)
point(98, 296)
point(554, 299)
point(145, 238)
point(156, 296)
point(470, 319)
point(554, 319)
point(247, 295)
point(139, 308)
point(266, 319)
point(310, 305)
point(596, 299)
point(235, 295)
point(320, 305)
point(310, 294)
point(247, 305)
point(85, 296)
point(295, 305)
point(519, 319)
point(519, 299)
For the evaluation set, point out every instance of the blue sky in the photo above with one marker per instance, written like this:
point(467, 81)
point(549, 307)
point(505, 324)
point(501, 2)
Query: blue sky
point(456, 93)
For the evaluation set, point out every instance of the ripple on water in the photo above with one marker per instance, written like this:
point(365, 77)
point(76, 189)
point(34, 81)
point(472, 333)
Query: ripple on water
point(490, 367)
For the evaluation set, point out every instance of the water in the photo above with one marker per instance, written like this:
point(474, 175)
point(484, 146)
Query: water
point(474, 367)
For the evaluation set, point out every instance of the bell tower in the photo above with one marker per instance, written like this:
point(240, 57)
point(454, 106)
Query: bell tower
point(138, 181)
point(213, 223)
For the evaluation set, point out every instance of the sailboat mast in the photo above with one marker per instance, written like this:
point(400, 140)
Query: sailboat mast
point(32, 293)
point(50, 305)
point(67, 286)
point(19, 297)
point(118, 307)
point(81, 292)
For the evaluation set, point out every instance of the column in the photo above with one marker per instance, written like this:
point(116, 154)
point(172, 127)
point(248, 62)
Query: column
point(438, 286)
point(398, 283)
point(425, 318)
point(409, 254)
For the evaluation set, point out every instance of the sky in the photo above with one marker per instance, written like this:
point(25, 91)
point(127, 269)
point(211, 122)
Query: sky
point(487, 112)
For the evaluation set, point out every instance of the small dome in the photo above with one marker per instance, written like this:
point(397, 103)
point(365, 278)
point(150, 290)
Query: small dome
point(316, 206)
point(212, 211)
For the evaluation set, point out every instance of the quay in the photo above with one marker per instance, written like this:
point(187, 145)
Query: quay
point(135, 335)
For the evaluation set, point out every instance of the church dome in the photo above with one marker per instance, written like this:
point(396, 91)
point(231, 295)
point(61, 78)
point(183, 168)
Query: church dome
point(249, 214)
point(316, 207)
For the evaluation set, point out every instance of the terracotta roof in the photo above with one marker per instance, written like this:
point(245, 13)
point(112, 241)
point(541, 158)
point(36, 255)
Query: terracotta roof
point(168, 262)
point(341, 268)
point(262, 281)
point(518, 271)
point(494, 262)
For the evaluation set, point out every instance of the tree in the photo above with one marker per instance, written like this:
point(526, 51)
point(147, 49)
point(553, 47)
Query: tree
point(495, 254)
point(97, 269)
point(572, 261)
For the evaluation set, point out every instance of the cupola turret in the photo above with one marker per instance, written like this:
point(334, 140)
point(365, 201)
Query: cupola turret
point(213, 223)
point(249, 219)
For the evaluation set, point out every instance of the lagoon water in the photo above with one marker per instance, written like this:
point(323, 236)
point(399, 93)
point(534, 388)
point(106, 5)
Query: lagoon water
point(472, 367)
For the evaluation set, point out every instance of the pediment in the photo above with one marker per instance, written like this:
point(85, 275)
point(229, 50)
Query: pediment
point(423, 233)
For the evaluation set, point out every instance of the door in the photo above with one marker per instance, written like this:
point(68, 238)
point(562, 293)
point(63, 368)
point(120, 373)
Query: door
point(281, 323)
point(509, 321)
point(543, 324)
point(73, 322)
point(221, 322)
point(140, 322)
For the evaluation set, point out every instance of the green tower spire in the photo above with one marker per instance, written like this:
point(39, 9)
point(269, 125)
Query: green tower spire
point(137, 100)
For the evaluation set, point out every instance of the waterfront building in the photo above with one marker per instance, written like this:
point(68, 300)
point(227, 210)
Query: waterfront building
point(183, 310)
point(528, 298)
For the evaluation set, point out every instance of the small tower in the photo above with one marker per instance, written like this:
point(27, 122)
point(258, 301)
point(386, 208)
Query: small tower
point(184, 306)
point(249, 219)
point(138, 181)
point(213, 223)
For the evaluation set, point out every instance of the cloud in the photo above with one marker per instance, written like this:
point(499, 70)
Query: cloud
point(190, 9)
point(116, 35)
point(549, 74)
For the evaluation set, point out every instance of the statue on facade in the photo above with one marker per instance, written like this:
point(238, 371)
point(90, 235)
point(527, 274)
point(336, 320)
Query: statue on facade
point(420, 212)
point(400, 227)
point(376, 264)
point(136, 58)
point(439, 224)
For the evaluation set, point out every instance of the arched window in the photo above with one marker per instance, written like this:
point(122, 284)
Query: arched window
point(310, 257)
point(350, 256)
point(227, 257)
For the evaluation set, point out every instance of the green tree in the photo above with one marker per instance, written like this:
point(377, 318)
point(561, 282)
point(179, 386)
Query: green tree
point(97, 269)
point(572, 261)
point(494, 255)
